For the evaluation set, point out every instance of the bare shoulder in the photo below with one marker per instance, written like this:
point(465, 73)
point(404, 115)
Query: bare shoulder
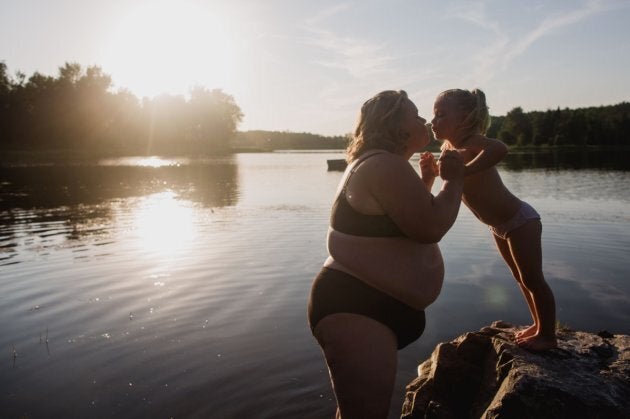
point(386, 176)
point(480, 142)
point(386, 166)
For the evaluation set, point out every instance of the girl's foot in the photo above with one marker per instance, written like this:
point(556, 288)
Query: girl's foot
point(525, 333)
point(538, 343)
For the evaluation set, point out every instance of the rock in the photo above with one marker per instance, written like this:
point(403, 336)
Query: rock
point(486, 375)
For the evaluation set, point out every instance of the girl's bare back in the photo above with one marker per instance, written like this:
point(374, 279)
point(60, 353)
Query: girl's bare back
point(486, 195)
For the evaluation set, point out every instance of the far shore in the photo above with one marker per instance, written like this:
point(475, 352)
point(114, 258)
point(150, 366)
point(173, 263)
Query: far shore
point(61, 155)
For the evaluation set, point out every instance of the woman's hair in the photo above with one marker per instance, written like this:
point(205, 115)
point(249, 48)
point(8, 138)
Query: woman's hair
point(473, 105)
point(379, 125)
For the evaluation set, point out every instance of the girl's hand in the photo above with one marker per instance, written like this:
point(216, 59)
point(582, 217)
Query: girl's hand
point(451, 166)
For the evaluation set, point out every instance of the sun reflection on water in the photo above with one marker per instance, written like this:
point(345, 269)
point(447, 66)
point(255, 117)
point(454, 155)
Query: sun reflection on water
point(153, 162)
point(150, 161)
point(164, 225)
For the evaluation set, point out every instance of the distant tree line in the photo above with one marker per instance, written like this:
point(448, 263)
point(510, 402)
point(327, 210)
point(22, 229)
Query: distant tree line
point(76, 110)
point(593, 126)
point(274, 140)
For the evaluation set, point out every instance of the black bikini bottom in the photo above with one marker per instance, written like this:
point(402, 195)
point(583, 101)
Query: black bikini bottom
point(334, 291)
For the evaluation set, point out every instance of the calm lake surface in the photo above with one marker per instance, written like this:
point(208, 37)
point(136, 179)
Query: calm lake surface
point(161, 288)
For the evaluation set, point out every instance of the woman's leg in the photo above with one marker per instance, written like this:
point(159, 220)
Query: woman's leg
point(362, 358)
point(526, 250)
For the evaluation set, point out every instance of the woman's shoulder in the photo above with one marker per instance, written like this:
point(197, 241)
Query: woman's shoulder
point(385, 167)
point(381, 157)
point(382, 163)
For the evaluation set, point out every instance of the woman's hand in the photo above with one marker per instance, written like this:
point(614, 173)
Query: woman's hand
point(451, 166)
point(428, 166)
point(429, 169)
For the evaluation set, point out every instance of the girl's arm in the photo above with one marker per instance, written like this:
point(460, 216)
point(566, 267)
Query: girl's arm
point(488, 152)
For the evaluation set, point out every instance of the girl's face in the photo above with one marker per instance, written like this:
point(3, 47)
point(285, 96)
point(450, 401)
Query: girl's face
point(415, 126)
point(446, 119)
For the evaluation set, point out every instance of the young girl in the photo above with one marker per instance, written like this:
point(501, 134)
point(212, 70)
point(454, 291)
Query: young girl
point(461, 120)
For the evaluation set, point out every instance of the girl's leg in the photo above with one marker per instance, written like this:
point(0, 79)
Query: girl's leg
point(362, 357)
point(506, 253)
point(526, 249)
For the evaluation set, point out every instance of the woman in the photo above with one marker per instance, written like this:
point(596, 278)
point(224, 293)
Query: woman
point(384, 267)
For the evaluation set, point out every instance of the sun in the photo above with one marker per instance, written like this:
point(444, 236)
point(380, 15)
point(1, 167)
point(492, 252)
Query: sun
point(168, 47)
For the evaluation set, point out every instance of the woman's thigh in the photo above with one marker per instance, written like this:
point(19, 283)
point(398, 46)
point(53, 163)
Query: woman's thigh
point(361, 354)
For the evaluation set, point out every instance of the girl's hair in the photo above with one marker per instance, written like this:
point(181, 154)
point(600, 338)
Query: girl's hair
point(379, 125)
point(473, 105)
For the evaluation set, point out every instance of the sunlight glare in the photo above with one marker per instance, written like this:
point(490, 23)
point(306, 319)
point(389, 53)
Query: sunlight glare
point(154, 162)
point(497, 297)
point(150, 161)
point(164, 225)
point(168, 47)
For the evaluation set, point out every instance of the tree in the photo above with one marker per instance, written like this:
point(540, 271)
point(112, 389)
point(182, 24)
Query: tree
point(5, 89)
point(69, 73)
point(5, 82)
point(543, 127)
point(164, 124)
point(214, 117)
point(516, 128)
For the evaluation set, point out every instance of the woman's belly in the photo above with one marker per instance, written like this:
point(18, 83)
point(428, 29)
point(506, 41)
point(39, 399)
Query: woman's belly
point(409, 271)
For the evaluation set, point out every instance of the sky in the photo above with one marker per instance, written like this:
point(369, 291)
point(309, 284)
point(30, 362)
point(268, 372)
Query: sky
point(307, 66)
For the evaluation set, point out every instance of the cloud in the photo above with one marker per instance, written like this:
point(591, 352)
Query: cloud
point(506, 46)
point(328, 12)
point(471, 12)
point(357, 57)
point(550, 25)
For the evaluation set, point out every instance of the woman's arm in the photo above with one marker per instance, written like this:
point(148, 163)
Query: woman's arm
point(428, 169)
point(400, 192)
point(408, 268)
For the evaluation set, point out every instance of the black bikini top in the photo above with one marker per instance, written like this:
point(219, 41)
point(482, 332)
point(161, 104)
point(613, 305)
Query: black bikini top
point(345, 219)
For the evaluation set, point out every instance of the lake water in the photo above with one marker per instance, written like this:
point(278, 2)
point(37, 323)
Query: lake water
point(164, 288)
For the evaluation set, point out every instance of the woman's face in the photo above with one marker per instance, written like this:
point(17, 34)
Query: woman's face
point(415, 126)
point(446, 119)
